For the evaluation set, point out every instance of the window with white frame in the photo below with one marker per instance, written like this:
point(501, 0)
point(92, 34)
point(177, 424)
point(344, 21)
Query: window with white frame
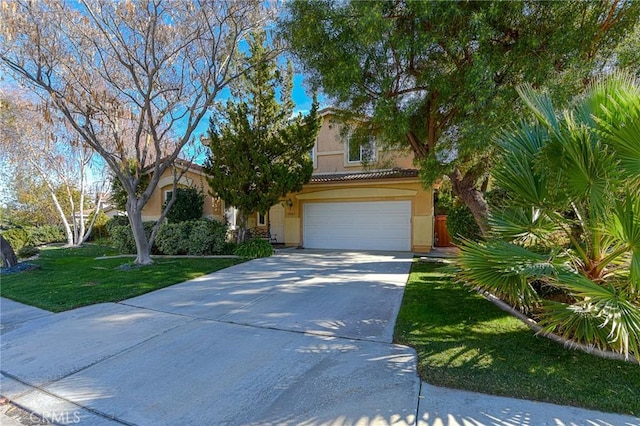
point(357, 153)
point(168, 195)
point(312, 154)
point(262, 220)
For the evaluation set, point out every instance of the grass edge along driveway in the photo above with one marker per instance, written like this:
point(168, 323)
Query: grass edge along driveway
point(69, 278)
point(465, 342)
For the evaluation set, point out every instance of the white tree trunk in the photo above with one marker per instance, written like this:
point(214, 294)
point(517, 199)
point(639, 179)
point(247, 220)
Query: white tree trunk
point(97, 211)
point(65, 222)
point(81, 237)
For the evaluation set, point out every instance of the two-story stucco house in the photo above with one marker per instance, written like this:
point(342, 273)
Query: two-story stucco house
point(381, 206)
point(346, 205)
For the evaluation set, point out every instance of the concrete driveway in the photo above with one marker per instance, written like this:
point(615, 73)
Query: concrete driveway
point(299, 338)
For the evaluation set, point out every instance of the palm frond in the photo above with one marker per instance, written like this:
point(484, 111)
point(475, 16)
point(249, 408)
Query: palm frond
point(625, 226)
point(619, 315)
point(574, 322)
point(586, 169)
point(524, 226)
point(516, 172)
point(616, 111)
point(503, 269)
point(540, 103)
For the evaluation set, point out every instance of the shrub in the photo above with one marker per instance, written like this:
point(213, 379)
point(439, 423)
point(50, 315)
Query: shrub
point(116, 221)
point(254, 248)
point(206, 237)
point(188, 205)
point(443, 201)
point(461, 224)
point(195, 237)
point(173, 238)
point(229, 247)
point(45, 234)
point(102, 242)
point(122, 239)
point(17, 237)
point(99, 230)
point(27, 251)
point(148, 228)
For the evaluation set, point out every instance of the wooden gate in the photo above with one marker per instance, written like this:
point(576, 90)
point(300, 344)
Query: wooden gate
point(442, 238)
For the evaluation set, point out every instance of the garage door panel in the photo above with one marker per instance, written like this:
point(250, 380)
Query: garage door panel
point(376, 225)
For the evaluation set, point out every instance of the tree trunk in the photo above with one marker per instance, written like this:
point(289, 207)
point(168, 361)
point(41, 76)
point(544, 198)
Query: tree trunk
point(464, 188)
point(65, 222)
point(79, 239)
point(242, 228)
point(143, 249)
point(96, 212)
point(9, 258)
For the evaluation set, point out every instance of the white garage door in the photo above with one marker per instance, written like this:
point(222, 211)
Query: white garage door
point(375, 225)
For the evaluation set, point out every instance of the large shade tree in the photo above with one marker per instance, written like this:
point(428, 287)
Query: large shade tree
point(259, 151)
point(133, 79)
point(565, 245)
point(440, 77)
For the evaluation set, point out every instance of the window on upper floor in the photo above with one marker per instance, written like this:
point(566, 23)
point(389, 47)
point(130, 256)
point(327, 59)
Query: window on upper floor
point(357, 153)
point(168, 195)
point(312, 154)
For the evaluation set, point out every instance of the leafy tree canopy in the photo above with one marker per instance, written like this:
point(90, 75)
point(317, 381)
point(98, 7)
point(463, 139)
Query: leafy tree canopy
point(258, 150)
point(440, 77)
point(188, 205)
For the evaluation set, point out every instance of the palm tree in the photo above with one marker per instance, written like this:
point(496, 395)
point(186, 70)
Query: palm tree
point(565, 248)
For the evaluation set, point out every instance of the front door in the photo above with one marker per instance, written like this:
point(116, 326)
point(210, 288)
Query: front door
point(276, 221)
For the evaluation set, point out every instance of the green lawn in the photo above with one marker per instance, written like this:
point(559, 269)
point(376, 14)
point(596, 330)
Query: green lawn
point(465, 342)
point(71, 277)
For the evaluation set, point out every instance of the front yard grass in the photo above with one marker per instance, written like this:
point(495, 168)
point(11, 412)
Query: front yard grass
point(465, 342)
point(71, 277)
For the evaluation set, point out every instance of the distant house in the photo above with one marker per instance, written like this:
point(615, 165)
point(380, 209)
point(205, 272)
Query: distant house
point(346, 205)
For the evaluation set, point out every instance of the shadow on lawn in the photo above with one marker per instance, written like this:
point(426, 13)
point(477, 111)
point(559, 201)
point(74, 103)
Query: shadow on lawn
point(465, 342)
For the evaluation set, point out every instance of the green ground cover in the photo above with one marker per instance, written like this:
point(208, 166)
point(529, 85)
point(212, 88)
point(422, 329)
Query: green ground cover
point(71, 277)
point(465, 342)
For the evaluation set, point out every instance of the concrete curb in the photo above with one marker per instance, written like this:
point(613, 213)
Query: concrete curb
point(165, 256)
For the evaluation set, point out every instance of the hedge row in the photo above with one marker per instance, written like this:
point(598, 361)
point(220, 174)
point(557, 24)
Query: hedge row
point(194, 237)
point(33, 236)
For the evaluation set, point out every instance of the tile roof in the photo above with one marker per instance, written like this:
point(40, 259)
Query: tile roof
point(373, 174)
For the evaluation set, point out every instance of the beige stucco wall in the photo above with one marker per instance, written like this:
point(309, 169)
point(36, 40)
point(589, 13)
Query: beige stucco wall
point(212, 208)
point(331, 148)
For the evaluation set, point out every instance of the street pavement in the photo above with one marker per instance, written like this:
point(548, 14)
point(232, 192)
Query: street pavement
point(303, 337)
